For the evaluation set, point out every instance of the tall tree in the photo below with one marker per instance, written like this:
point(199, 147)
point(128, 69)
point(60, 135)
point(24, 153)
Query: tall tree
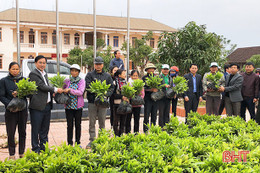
point(192, 44)
point(140, 51)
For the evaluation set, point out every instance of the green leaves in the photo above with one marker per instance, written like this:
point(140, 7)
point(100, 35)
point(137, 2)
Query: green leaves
point(26, 87)
point(154, 81)
point(138, 85)
point(215, 78)
point(128, 91)
point(181, 85)
point(57, 81)
point(99, 88)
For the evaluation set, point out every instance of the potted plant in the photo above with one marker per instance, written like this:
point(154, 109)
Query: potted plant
point(125, 107)
point(214, 80)
point(100, 89)
point(58, 82)
point(155, 82)
point(25, 88)
point(138, 85)
point(180, 85)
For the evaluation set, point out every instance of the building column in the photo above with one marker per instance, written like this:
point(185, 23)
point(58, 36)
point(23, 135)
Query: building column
point(106, 41)
point(83, 39)
point(36, 43)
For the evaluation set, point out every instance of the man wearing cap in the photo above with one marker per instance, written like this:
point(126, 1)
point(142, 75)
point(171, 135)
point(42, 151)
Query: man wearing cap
point(164, 103)
point(41, 105)
point(213, 98)
point(193, 95)
point(93, 110)
point(117, 61)
point(150, 106)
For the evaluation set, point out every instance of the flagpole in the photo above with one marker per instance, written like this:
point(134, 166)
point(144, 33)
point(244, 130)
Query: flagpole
point(57, 37)
point(128, 35)
point(18, 31)
point(95, 29)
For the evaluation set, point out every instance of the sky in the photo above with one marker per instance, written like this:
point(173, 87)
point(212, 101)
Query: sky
point(236, 20)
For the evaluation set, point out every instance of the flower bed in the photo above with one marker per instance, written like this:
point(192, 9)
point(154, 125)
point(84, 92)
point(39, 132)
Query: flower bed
point(195, 147)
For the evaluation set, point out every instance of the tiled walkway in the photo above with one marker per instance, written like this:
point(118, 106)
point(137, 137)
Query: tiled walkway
point(57, 134)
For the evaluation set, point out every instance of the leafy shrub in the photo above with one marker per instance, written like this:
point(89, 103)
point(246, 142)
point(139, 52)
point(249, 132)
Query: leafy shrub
point(154, 82)
point(25, 88)
point(181, 85)
point(193, 147)
point(138, 85)
point(214, 79)
point(57, 81)
point(99, 88)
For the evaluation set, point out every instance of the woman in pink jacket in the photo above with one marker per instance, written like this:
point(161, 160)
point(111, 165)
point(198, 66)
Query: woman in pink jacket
point(136, 109)
point(75, 87)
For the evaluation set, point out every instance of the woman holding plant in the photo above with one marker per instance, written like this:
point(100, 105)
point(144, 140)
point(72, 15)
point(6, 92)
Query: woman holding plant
point(136, 109)
point(111, 100)
point(75, 87)
point(119, 119)
point(164, 103)
point(8, 91)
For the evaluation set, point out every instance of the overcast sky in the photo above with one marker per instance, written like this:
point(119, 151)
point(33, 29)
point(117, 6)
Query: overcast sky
point(237, 20)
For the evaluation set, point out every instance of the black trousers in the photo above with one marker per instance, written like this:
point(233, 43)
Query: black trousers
point(164, 111)
point(72, 115)
point(248, 103)
point(40, 122)
point(191, 105)
point(222, 105)
point(136, 112)
point(119, 122)
point(174, 106)
point(13, 119)
point(257, 117)
point(150, 108)
point(111, 102)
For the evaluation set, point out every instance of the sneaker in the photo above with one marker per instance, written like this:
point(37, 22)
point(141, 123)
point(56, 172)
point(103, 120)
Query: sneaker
point(12, 157)
point(80, 146)
point(89, 145)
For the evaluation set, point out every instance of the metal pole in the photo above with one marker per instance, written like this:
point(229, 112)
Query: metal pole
point(128, 30)
point(95, 29)
point(18, 31)
point(57, 37)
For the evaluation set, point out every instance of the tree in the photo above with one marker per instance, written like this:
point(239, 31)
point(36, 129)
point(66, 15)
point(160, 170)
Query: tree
point(191, 44)
point(255, 59)
point(140, 51)
point(88, 57)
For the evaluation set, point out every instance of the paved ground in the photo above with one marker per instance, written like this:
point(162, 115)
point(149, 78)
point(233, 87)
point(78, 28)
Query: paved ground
point(57, 134)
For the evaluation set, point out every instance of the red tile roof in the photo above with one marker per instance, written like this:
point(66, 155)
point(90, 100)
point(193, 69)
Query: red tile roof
point(240, 55)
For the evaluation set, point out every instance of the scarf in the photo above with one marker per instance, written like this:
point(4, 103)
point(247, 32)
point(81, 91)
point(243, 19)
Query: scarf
point(19, 76)
point(75, 79)
point(120, 83)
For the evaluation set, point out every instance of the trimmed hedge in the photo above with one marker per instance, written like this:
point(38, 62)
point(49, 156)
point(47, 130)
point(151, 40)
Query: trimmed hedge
point(195, 147)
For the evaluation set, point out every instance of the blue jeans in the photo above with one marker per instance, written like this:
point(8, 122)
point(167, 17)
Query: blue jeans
point(40, 122)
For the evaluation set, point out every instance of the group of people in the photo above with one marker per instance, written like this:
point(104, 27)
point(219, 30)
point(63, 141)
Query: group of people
point(236, 92)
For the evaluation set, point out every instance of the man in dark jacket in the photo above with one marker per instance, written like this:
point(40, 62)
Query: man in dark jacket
point(93, 110)
point(233, 96)
point(250, 91)
point(164, 103)
point(117, 61)
point(150, 106)
point(41, 105)
point(193, 95)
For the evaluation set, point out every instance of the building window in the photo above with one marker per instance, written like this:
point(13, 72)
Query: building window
point(76, 39)
point(115, 41)
point(133, 41)
point(54, 37)
point(66, 38)
point(44, 37)
point(1, 62)
point(31, 36)
point(152, 42)
point(0, 34)
point(21, 36)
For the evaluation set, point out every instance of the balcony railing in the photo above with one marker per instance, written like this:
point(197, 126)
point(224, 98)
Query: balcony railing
point(27, 45)
point(48, 46)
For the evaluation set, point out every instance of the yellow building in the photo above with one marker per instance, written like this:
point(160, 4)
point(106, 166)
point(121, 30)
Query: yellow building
point(38, 34)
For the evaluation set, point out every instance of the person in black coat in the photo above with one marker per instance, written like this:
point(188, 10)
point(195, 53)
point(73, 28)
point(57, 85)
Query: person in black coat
point(193, 95)
point(12, 119)
point(40, 105)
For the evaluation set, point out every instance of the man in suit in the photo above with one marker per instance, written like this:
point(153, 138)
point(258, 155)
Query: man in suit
point(194, 94)
point(233, 96)
point(41, 105)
